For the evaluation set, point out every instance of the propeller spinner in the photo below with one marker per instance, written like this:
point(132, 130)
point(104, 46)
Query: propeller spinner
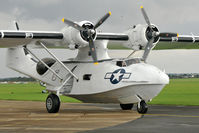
point(88, 33)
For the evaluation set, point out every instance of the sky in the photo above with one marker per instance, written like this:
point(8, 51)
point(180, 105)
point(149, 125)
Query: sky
point(169, 15)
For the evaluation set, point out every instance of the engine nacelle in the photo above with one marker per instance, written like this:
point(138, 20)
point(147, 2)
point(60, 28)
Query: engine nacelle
point(139, 37)
point(77, 39)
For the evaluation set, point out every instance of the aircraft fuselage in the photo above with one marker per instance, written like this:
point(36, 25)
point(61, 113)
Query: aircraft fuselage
point(115, 81)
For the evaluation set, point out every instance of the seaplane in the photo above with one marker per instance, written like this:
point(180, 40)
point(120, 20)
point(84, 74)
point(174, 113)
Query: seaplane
point(92, 76)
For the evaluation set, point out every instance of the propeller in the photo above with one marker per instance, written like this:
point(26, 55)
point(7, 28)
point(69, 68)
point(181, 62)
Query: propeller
point(152, 35)
point(163, 34)
point(88, 33)
point(72, 24)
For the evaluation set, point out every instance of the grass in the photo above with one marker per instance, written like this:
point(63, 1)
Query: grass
point(164, 45)
point(26, 92)
point(178, 92)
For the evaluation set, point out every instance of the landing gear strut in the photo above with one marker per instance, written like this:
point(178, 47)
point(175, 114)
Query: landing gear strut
point(126, 106)
point(142, 107)
point(52, 103)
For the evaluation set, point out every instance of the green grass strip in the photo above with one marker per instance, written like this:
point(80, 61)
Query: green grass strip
point(178, 92)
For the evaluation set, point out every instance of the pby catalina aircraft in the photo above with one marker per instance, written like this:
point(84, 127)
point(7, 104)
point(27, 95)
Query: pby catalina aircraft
point(92, 76)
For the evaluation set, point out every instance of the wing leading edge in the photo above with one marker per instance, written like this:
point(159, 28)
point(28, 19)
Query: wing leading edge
point(16, 38)
point(181, 38)
point(31, 35)
point(112, 37)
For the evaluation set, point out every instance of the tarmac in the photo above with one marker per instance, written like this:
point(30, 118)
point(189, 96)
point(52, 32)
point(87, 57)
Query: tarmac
point(160, 119)
point(31, 117)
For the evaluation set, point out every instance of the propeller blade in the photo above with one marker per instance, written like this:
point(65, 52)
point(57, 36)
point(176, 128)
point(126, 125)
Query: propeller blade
point(148, 48)
point(168, 34)
point(102, 20)
point(92, 50)
point(145, 16)
point(72, 24)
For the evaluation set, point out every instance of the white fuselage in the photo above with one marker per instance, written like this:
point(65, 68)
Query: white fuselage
point(109, 83)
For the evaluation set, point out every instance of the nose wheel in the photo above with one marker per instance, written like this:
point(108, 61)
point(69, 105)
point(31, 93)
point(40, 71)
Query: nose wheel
point(52, 103)
point(126, 106)
point(142, 107)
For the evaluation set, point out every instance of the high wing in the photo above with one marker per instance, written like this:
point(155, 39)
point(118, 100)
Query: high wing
point(164, 38)
point(84, 35)
point(181, 38)
point(10, 38)
point(112, 37)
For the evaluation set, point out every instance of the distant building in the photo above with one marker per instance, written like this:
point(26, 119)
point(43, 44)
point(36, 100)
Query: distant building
point(184, 75)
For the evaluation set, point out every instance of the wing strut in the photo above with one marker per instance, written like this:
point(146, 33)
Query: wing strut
point(59, 61)
point(132, 53)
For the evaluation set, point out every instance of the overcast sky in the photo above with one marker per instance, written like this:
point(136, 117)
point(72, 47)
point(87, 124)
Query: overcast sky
point(169, 15)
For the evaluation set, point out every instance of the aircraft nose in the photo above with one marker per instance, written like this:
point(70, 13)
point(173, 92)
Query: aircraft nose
point(164, 78)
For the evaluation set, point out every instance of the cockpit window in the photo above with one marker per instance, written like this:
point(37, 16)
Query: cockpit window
point(121, 63)
point(127, 62)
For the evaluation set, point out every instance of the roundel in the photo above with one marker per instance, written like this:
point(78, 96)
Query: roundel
point(117, 76)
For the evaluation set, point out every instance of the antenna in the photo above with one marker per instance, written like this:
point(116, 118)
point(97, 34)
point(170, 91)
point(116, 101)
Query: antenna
point(16, 25)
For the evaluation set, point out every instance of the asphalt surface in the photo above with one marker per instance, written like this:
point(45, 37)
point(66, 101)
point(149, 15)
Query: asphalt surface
point(160, 119)
point(31, 117)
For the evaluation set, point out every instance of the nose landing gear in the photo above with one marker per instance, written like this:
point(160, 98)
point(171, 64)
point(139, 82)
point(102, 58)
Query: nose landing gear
point(142, 107)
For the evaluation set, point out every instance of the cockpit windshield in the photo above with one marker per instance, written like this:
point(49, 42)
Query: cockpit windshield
point(127, 62)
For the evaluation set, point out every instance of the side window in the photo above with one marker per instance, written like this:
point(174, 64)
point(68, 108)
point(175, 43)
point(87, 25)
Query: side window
point(87, 76)
point(121, 63)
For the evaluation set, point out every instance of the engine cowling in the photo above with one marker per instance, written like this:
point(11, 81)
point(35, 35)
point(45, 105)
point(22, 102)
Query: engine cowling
point(139, 36)
point(77, 39)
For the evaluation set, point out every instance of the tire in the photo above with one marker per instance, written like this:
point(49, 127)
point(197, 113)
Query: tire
point(126, 106)
point(143, 108)
point(52, 103)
